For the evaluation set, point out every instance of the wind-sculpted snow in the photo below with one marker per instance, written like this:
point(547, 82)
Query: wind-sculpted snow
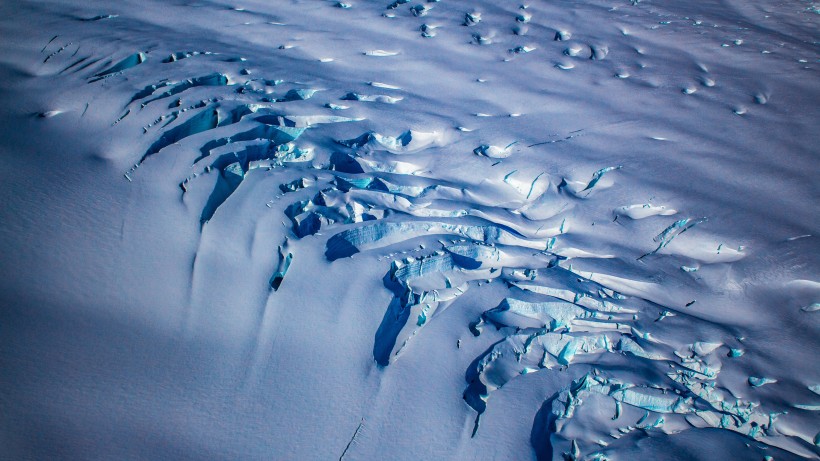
point(549, 208)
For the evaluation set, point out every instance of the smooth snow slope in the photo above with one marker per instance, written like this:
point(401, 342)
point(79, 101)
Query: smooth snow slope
point(422, 230)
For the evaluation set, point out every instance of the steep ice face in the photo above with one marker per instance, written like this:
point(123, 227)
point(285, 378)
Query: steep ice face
point(127, 63)
point(203, 121)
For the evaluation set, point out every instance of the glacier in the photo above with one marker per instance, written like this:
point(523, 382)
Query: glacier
point(456, 229)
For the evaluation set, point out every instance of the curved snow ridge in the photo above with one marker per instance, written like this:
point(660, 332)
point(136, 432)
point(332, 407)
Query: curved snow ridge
point(577, 188)
point(642, 211)
point(382, 98)
point(381, 53)
point(549, 315)
point(494, 151)
point(407, 142)
point(382, 234)
point(180, 55)
point(372, 195)
point(303, 121)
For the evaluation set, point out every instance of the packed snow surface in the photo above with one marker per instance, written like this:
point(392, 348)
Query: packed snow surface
point(468, 230)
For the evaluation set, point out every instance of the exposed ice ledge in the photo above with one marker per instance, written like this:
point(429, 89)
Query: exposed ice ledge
point(667, 235)
point(577, 188)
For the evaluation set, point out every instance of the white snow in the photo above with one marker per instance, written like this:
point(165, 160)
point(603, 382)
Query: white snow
point(560, 230)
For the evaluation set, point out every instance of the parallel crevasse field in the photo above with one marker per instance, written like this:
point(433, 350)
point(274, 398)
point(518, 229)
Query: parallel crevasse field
point(309, 229)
